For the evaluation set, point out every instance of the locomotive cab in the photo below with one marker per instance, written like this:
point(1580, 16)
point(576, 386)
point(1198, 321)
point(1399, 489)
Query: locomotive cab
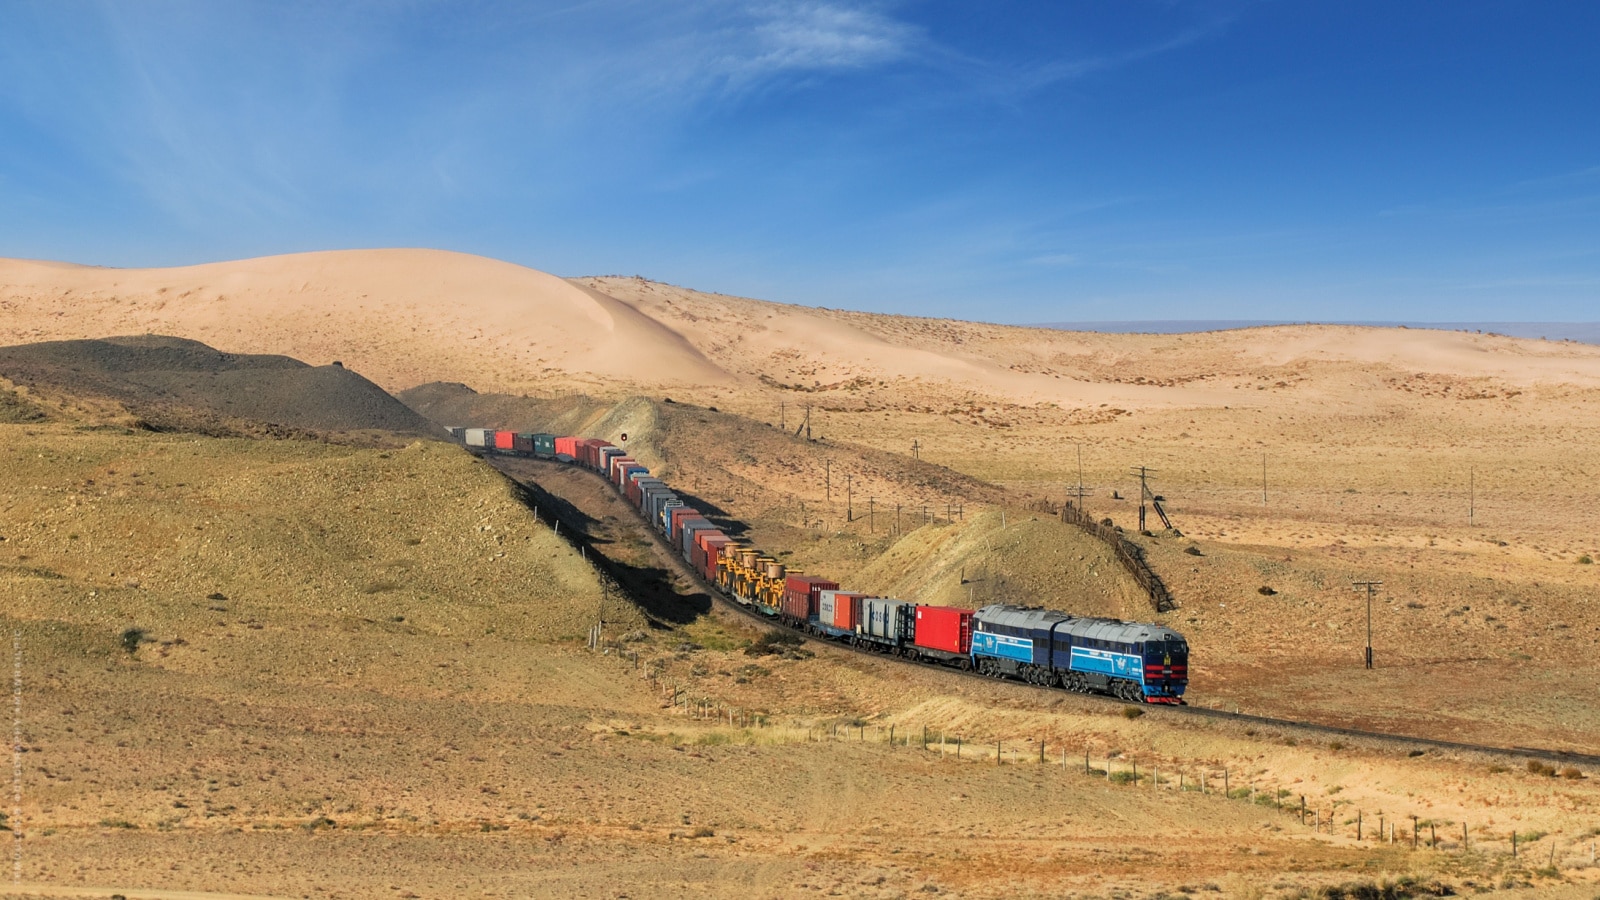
point(1166, 669)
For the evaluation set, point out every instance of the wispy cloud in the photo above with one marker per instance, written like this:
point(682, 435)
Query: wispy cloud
point(821, 36)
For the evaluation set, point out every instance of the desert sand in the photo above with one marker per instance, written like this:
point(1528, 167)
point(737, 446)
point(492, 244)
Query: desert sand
point(1456, 468)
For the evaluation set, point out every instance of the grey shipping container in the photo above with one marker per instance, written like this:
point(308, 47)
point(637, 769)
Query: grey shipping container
point(689, 530)
point(480, 437)
point(885, 619)
point(458, 433)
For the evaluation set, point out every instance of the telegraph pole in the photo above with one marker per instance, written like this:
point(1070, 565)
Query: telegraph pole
point(1080, 477)
point(1144, 491)
point(1263, 478)
point(849, 498)
point(1472, 498)
point(783, 421)
point(872, 515)
point(916, 449)
point(827, 483)
point(1371, 587)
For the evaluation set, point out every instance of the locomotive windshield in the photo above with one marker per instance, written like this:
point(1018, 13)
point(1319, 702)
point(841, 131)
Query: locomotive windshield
point(1163, 648)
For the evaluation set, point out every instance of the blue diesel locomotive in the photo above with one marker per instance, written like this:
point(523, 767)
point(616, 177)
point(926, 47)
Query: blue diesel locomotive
point(1134, 661)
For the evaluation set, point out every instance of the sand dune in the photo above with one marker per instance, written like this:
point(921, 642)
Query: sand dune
point(400, 317)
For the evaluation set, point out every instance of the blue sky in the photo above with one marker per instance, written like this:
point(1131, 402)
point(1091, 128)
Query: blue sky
point(1013, 162)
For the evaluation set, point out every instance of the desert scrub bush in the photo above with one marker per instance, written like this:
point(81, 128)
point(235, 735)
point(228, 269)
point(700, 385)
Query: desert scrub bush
point(1404, 888)
point(1536, 767)
point(132, 637)
point(116, 823)
point(1585, 560)
point(703, 831)
point(774, 643)
point(1131, 712)
point(1572, 772)
point(1121, 777)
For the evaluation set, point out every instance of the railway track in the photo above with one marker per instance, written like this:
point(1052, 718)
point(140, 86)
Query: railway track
point(718, 597)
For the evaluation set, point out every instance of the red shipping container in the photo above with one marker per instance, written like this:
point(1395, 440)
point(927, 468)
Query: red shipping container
point(617, 464)
point(800, 593)
point(586, 451)
point(846, 610)
point(505, 440)
point(714, 548)
point(567, 446)
point(944, 628)
point(594, 452)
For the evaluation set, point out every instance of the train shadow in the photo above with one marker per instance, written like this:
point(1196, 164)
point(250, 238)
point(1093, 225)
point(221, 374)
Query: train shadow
point(654, 589)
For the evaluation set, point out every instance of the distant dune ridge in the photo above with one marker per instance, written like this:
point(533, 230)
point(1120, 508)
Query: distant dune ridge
point(407, 317)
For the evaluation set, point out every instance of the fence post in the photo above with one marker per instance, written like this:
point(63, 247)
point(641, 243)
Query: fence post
point(891, 737)
point(997, 753)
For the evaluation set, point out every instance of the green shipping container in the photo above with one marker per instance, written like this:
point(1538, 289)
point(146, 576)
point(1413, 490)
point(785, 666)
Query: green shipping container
point(544, 445)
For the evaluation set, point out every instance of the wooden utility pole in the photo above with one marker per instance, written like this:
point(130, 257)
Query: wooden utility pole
point(916, 449)
point(1263, 478)
point(1472, 498)
point(1371, 587)
point(897, 518)
point(1080, 477)
point(1145, 494)
point(783, 421)
point(827, 480)
point(849, 498)
point(872, 515)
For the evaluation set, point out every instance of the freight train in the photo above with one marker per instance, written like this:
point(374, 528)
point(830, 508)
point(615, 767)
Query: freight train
point(1138, 662)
